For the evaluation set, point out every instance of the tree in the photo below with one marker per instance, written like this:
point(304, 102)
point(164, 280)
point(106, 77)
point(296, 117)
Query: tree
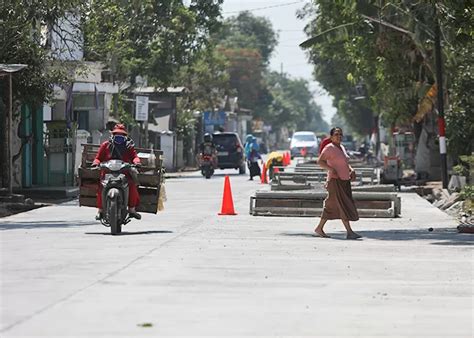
point(245, 75)
point(459, 117)
point(293, 105)
point(149, 38)
point(22, 25)
point(247, 41)
point(206, 79)
point(386, 46)
point(249, 32)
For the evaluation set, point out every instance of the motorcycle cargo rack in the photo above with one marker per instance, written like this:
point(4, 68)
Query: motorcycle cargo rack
point(150, 177)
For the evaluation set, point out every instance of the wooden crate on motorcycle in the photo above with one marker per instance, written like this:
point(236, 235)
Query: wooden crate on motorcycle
point(150, 178)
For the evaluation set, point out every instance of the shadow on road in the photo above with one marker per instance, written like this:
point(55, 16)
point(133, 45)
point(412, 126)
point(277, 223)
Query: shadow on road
point(200, 177)
point(44, 224)
point(126, 233)
point(298, 234)
point(440, 236)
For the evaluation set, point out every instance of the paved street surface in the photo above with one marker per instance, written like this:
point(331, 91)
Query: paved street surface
point(187, 271)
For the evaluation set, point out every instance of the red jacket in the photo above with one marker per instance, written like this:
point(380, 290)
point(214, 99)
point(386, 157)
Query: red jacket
point(104, 154)
point(130, 156)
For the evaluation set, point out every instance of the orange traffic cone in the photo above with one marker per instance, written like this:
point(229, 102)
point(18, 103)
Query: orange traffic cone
point(227, 201)
point(287, 158)
point(263, 178)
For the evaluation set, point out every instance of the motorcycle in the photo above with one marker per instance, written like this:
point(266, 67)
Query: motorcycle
point(206, 165)
point(115, 194)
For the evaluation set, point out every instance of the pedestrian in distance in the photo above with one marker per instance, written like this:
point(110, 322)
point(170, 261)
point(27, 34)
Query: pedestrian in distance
point(324, 143)
point(338, 203)
point(252, 155)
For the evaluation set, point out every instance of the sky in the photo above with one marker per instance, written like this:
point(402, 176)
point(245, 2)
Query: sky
point(287, 55)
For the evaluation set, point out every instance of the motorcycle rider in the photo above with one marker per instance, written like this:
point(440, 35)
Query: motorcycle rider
point(119, 147)
point(208, 147)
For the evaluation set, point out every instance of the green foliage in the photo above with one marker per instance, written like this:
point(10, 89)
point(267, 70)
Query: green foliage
point(460, 170)
point(467, 192)
point(186, 123)
point(206, 79)
point(249, 32)
point(460, 116)
point(22, 41)
point(152, 38)
point(247, 42)
point(245, 75)
point(124, 109)
point(466, 167)
point(293, 105)
point(388, 47)
point(339, 121)
point(158, 40)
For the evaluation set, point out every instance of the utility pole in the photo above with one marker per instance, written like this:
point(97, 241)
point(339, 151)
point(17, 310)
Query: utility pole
point(441, 121)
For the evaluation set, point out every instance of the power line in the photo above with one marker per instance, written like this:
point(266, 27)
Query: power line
point(267, 7)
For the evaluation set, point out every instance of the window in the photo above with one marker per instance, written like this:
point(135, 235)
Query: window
point(307, 138)
point(82, 119)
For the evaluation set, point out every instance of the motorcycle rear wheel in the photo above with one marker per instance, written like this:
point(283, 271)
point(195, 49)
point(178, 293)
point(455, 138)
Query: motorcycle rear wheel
point(114, 220)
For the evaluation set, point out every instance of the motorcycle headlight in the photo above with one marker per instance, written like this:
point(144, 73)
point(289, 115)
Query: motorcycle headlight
point(114, 165)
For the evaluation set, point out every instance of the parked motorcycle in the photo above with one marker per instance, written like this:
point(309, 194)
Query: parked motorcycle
point(115, 194)
point(206, 165)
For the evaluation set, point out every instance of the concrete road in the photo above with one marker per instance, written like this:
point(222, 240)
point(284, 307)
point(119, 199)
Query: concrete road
point(187, 271)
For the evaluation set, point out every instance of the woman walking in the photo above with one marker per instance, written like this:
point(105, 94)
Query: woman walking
point(339, 203)
point(252, 155)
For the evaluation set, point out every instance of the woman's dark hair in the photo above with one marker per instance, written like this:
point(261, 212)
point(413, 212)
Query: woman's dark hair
point(334, 129)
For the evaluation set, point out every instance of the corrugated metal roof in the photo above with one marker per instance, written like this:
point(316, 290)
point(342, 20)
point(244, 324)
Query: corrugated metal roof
point(151, 90)
point(11, 67)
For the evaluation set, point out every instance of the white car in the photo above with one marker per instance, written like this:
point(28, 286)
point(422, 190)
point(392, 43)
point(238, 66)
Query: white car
point(304, 140)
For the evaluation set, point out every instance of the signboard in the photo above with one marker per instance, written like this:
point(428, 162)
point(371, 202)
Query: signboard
point(257, 125)
point(214, 118)
point(141, 108)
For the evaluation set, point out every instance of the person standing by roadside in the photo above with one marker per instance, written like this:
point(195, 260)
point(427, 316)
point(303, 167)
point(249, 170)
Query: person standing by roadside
point(252, 155)
point(339, 203)
point(324, 143)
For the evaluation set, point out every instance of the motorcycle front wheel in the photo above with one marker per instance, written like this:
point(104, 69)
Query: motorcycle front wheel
point(114, 220)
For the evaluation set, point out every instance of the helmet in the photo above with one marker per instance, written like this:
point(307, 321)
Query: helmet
point(119, 129)
point(207, 137)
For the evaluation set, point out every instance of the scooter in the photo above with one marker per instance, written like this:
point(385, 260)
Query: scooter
point(115, 194)
point(206, 166)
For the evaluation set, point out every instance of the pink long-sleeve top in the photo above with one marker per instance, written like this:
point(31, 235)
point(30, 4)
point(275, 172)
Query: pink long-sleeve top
point(338, 159)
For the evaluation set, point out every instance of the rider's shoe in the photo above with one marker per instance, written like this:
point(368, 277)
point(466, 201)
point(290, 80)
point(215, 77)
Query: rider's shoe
point(99, 216)
point(135, 215)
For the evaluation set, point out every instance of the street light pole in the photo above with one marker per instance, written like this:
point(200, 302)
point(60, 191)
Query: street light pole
point(441, 121)
point(8, 131)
